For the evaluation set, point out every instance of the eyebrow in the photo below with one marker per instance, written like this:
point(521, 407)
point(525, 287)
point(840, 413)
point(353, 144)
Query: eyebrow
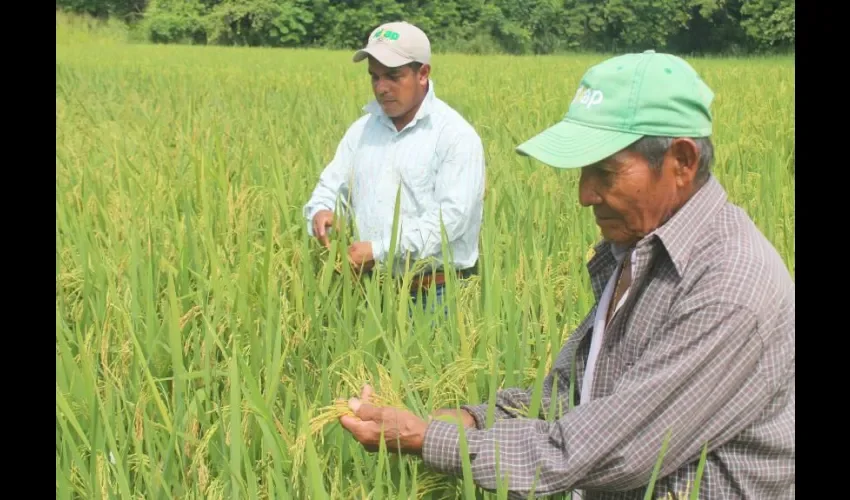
point(390, 72)
point(606, 164)
point(613, 162)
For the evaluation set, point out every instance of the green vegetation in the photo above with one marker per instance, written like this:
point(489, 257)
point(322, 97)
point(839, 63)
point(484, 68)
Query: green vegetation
point(199, 330)
point(470, 26)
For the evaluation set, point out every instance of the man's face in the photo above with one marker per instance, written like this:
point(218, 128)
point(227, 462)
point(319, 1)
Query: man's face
point(397, 90)
point(630, 199)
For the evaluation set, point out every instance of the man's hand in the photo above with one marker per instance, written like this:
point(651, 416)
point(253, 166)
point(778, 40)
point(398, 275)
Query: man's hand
point(321, 222)
point(403, 431)
point(360, 256)
point(462, 415)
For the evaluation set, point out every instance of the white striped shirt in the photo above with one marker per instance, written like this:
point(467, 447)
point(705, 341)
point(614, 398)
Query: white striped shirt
point(438, 160)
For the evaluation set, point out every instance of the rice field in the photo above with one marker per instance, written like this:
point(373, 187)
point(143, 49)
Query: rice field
point(202, 337)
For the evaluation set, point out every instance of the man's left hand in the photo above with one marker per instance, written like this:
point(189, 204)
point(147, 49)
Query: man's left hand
point(360, 256)
point(403, 431)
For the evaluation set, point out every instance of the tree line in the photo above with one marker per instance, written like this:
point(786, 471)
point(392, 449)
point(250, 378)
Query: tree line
point(699, 27)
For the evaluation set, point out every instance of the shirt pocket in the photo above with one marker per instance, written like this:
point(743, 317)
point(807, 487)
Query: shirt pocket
point(417, 173)
point(645, 323)
point(638, 332)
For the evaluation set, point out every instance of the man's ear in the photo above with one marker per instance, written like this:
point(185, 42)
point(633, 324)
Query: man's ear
point(424, 73)
point(684, 153)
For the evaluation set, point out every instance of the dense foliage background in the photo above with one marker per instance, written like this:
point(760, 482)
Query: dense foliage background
point(470, 26)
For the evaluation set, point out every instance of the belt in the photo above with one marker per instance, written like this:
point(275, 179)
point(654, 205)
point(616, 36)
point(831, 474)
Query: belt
point(425, 281)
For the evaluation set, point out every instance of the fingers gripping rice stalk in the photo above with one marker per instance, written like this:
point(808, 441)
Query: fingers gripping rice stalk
point(331, 413)
point(383, 396)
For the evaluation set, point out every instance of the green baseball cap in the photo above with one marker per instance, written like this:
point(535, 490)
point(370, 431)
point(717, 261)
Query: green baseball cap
point(620, 100)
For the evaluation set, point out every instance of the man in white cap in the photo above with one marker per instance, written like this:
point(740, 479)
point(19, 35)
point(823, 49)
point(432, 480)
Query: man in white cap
point(412, 140)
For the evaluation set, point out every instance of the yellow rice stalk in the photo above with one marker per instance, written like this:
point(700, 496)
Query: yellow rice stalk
point(384, 394)
point(685, 494)
point(453, 381)
point(139, 463)
point(428, 482)
point(330, 414)
point(199, 460)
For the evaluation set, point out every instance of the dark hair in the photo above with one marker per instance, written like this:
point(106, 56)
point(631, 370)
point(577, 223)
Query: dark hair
point(653, 148)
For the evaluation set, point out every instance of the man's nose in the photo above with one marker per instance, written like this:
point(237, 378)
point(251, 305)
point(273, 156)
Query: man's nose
point(588, 192)
point(381, 85)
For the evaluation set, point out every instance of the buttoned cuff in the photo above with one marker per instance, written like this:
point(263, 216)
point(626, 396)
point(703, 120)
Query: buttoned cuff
point(441, 449)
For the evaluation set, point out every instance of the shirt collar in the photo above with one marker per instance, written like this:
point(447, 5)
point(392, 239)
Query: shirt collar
point(619, 251)
point(677, 235)
point(425, 109)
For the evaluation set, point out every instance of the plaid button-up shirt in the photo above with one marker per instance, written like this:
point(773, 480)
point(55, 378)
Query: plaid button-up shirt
point(703, 347)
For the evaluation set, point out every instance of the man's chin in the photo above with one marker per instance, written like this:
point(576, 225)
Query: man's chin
point(392, 111)
point(612, 235)
point(619, 239)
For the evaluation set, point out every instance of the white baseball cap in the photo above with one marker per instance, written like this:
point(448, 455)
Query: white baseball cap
point(396, 44)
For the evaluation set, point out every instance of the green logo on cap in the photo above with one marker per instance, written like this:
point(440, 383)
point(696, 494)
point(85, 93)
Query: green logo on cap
point(588, 96)
point(385, 34)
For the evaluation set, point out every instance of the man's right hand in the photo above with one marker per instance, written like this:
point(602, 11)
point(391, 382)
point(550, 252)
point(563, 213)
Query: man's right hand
point(321, 222)
point(463, 415)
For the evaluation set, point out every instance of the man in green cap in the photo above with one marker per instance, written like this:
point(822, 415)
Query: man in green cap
point(692, 333)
